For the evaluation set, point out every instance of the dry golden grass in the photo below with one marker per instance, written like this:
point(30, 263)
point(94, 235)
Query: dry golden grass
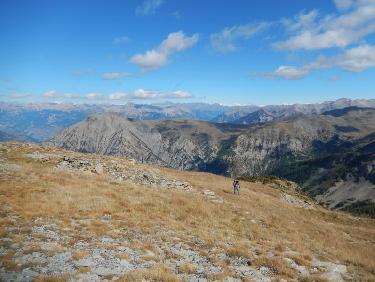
point(99, 227)
point(257, 215)
point(240, 249)
point(54, 250)
point(32, 249)
point(3, 233)
point(8, 263)
point(80, 254)
point(313, 278)
point(157, 273)
point(301, 260)
point(187, 268)
point(221, 276)
point(53, 278)
point(278, 266)
point(83, 269)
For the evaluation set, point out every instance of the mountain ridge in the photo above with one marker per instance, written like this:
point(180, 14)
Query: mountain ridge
point(38, 122)
point(237, 150)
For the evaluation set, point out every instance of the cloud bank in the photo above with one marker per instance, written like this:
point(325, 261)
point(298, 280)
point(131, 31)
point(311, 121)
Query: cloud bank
point(356, 59)
point(138, 94)
point(311, 31)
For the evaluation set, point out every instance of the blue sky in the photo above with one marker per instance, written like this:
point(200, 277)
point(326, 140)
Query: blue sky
point(230, 52)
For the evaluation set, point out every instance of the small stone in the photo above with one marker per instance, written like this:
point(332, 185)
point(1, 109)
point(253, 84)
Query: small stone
point(99, 169)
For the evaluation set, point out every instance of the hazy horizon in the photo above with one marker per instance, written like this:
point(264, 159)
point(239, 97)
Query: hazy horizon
point(142, 102)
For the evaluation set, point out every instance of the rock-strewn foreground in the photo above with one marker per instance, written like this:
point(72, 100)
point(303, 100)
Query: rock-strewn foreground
point(68, 216)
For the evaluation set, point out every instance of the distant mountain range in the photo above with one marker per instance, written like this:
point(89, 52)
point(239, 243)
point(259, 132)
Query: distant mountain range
point(330, 155)
point(38, 122)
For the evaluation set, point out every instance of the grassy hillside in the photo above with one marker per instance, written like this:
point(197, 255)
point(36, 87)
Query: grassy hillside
point(68, 215)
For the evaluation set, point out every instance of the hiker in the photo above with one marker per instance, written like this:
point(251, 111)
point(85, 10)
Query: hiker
point(236, 187)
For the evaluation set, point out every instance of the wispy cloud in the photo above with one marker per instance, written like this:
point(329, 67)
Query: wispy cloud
point(310, 30)
point(155, 58)
point(356, 59)
point(94, 96)
point(150, 94)
point(120, 39)
point(344, 4)
point(52, 94)
point(176, 14)
point(287, 72)
point(138, 94)
point(227, 39)
point(82, 72)
point(18, 95)
point(114, 75)
point(148, 7)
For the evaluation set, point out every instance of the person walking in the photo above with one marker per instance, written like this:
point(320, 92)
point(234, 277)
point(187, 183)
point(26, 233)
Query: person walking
point(236, 187)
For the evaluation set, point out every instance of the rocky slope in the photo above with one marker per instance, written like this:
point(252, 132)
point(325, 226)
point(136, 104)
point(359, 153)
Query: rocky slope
point(67, 216)
point(183, 144)
point(290, 148)
point(259, 116)
point(265, 147)
point(331, 156)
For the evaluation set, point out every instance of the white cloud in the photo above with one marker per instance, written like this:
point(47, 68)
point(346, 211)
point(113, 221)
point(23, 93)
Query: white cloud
point(118, 96)
point(150, 94)
point(182, 94)
point(150, 60)
point(310, 31)
point(344, 4)
point(114, 75)
point(356, 59)
point(120, 39)
point(148, 7)
point(51, 94)
point(138, 94)
point(155, 58)
point(71, 96)
point(226, 40)
point(94, 96)
point(288, 72)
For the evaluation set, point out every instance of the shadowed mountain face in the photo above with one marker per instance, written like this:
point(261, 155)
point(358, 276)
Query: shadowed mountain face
point(331, 157)
point(320, 152)
point(5, 137)
point(259, 116)
point(182, 144)
point(40, 122)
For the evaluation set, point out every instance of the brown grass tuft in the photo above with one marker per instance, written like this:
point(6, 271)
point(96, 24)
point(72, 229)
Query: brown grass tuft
point(80, 254)
point(187, 268)
point(53, 278)
point(278, 266)
point(157, 273)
